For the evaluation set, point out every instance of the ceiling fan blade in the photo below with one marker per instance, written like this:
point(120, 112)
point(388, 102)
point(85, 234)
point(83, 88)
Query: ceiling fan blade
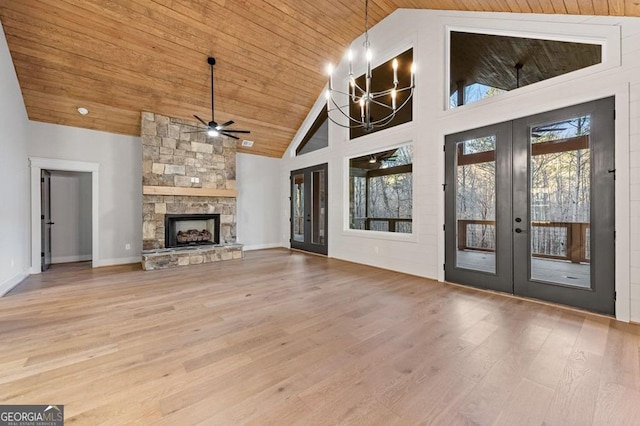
point(236, 131)
point(223, 125)
point(201, 120)
point(229, 135)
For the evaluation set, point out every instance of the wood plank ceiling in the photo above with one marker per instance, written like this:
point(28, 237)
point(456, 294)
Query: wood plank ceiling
point(120, 57)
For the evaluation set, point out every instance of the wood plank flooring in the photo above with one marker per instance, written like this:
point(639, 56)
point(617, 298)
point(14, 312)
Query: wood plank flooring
point(283, 337)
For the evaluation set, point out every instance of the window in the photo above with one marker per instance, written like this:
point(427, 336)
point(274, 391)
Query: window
point(317, 137)
point(381, 191)
point(485, 65)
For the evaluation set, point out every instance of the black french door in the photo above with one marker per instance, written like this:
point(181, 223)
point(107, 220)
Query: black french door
point(530, 207)
point(309, 209)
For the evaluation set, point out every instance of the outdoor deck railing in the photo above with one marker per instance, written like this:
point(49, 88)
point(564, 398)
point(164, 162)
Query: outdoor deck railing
point(385, 224)
point(551, 240)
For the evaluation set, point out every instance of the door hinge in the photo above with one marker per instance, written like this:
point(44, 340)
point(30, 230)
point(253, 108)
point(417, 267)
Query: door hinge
point(614, 114)
point(42, 180)
point(444, 148)
point(614, 173)
point(41, 254)
point(444, 227)
point(615, 295)
point(444, 266)
point(444, 186)
point(614, 235)
point(41, 217)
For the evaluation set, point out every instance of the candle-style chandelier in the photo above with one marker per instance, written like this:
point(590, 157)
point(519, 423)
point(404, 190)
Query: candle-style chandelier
point(365, 98)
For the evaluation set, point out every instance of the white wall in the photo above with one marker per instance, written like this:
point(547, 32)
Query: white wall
point(120, 192)
point(258, 218)
point(71, 214)
point(14, 176)
point(423, 253)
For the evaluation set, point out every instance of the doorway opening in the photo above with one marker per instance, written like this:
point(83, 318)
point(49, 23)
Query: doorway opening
point(90, 185)
point(66, 217)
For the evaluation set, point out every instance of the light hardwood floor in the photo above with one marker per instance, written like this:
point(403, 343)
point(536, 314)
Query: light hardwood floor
point(287, 338)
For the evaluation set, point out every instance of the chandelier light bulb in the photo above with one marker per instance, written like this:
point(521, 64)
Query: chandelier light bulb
point(395, 72)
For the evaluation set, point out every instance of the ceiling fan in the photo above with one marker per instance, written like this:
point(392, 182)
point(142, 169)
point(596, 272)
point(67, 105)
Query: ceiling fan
point(213, 129)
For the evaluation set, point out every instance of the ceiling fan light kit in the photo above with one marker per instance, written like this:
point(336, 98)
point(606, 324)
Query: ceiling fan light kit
point(212, 128)
point(364, 98)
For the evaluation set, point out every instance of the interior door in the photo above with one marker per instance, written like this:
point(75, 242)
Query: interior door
point(520, 216)
point(309, 209)
point(45, 219)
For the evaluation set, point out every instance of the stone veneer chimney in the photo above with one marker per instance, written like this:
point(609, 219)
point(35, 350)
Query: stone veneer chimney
point(172, 157)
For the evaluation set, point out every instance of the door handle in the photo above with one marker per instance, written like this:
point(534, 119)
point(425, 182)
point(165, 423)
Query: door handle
point(51, 223)
point(519, 231)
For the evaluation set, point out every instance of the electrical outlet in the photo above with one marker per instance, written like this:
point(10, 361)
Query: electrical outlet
point(127, 246)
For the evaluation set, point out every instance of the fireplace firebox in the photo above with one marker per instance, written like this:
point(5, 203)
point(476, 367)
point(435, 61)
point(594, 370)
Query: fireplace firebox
point(182, 230)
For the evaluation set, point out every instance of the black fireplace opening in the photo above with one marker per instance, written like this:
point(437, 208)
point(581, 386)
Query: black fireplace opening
point(182, 230)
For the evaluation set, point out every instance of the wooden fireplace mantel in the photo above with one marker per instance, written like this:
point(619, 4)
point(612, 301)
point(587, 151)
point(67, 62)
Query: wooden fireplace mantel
point(191, 192)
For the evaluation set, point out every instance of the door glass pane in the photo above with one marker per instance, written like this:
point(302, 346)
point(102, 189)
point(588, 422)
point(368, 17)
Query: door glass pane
point(297, 194)
point(476, 204)
point(317, 208)
point(560, 202)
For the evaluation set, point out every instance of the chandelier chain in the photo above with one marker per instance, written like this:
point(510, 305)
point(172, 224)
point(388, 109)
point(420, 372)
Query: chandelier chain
point(366, 24)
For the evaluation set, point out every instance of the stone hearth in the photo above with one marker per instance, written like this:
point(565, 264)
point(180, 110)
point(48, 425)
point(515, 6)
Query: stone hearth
point(170, 258)
point(183, 163)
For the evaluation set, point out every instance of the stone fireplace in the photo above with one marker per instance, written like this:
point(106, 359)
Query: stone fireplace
point(186, 175)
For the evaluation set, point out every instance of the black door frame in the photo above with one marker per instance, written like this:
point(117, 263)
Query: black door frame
point(513, 250)
point(308, 244)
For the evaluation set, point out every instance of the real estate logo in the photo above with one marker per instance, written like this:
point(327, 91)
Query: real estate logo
point(31, 415)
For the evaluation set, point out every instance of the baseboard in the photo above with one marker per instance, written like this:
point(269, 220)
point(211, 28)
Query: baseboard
point(261, 246)
point(69, 259)
point(6, 286)
point(117, 261)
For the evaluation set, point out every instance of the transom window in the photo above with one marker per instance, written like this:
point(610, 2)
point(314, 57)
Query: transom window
point(486, 65)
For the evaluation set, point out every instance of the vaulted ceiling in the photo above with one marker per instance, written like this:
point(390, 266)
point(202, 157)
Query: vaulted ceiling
point(120, 57)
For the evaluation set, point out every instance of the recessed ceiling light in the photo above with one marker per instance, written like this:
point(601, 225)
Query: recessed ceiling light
point(83, 111)
point(247, 143)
